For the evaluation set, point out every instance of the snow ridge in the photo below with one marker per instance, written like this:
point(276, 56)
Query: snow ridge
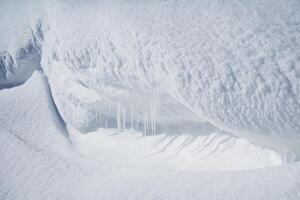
point(241, 77)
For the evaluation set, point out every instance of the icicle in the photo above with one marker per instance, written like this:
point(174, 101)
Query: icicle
point(124, 119)
point(153, 111)
point(145, 127)
point(118, 117)
point(137, 117)
point(147, 122)
point(131, 117)
point(152, 116)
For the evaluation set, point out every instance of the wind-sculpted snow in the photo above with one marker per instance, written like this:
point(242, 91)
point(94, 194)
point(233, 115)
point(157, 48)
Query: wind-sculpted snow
point(16, 69)
point(152, 65)
point(241, 76)
point(37, 162)
point(19, 50)
point(29, 107)
point(152, 94)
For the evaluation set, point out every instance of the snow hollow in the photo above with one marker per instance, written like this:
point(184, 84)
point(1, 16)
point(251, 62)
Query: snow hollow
point(130, 90)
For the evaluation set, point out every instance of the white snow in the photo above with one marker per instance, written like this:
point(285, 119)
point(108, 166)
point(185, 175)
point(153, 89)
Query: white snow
point(150, 100)
point(240, 76)
point(27, 112)
point(213, 152)
point(45, 166)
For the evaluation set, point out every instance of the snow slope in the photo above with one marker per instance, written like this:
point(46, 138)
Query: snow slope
point(136, 100)
point(19, 56)
point(41, 166)
point(169, 62)
point(28, 113)
point(216, 151)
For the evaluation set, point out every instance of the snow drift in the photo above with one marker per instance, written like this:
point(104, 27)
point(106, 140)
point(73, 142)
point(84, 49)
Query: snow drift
point(158, 64)
point(140, 65)
point(28, 113)
point(221, 79)
point(38, 163)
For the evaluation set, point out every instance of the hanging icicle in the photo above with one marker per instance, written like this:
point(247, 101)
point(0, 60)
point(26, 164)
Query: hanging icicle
point(119, 117)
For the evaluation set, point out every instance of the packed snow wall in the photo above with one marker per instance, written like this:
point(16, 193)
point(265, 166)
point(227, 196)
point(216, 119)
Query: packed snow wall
point(233, 66)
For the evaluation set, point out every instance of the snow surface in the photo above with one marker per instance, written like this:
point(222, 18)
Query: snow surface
point(27, 112)
point(240, 76)
point(213, 152)
point(44, 166)
point(138, 100)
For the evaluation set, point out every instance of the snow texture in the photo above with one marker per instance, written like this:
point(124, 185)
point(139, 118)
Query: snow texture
point(43, 166)
point(192, 60)
point(222, 77)
point(169, 61)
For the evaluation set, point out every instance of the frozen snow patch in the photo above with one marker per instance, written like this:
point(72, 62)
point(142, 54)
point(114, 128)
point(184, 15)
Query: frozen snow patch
point(216, 151)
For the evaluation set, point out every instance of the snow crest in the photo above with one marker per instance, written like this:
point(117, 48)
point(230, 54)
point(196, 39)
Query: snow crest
point(142, 66)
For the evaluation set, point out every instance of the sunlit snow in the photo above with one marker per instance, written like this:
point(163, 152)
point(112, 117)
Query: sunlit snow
point(154, 99)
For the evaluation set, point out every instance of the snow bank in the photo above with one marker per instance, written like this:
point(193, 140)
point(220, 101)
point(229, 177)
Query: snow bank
point(19, 56)
point(28, 113)
point(158, 64)
point(240, 76)
point(215, 151)
point(154, 66)
point(36, 163)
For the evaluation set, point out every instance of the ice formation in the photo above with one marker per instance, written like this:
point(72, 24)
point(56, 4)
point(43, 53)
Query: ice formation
point(38, 162)
point(204, 66)
point(128, 63)
point(193, 85)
